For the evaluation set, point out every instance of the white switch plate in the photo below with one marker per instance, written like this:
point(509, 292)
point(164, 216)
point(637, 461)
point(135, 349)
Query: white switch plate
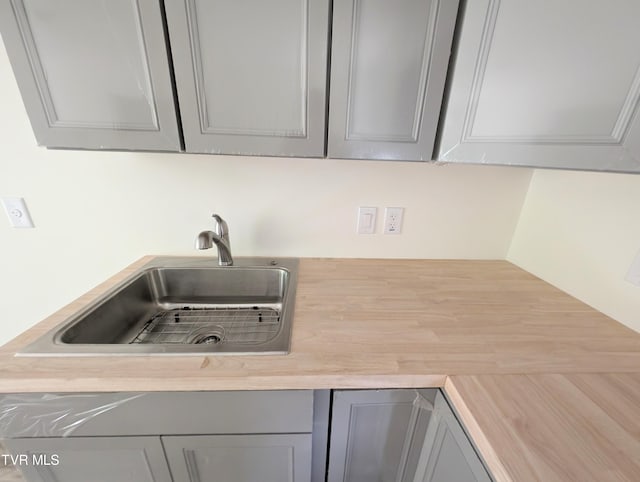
point(367, 220)
point(393, 220)
point(17, 212)
point(633, 275)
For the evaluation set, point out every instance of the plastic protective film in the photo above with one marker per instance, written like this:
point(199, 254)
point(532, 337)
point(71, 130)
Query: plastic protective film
point(53, 415)
point(421, 403)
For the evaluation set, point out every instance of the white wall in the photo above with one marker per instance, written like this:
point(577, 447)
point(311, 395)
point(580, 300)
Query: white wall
point(96, 212)
point(580, 231)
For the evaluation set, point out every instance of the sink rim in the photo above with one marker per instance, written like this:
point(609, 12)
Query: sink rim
point(50, 343)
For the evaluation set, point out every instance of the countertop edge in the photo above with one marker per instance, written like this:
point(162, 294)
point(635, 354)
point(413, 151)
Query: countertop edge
point(245, 383)
point(479, 439)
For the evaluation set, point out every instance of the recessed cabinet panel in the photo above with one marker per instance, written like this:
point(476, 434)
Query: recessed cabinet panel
point(388, 67)
point(377, 435)
point(84, 99)
point(546, 84)
point(268, 62)
point(251, 75)
point(93, 74)
point(374, 68)
point(241, 458)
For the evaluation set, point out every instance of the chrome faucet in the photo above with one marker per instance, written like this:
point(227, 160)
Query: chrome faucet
point(220, 237)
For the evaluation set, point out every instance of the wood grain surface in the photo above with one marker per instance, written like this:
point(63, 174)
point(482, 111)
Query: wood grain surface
point(553, 427)
point(368, 324)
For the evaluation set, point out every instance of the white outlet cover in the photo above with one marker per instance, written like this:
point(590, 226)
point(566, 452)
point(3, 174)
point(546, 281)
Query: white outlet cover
point(393, 220)
point(17, 212)
point(633, 275)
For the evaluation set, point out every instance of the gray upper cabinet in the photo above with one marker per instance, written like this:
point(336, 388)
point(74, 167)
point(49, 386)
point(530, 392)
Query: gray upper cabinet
point(251, 75)
point(547, 84)
point(388, 67)
point(92, 74)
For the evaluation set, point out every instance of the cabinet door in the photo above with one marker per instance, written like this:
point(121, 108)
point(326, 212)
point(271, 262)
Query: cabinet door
point(447, 454)
point(97, 459)
point(374, 434)
point(93, 74)
point(388, 68)
point(240, 458)
point(547, 84)
point(251, 75)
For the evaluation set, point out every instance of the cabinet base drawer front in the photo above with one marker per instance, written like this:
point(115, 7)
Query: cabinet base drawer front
point(120, 414)
point(240, 458)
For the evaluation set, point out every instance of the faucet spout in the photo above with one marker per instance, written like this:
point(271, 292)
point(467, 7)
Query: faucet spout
point(206, 240)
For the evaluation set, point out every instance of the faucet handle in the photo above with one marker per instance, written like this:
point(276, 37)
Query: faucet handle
point(221, 228)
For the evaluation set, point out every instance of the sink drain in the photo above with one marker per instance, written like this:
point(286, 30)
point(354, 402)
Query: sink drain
point(207, 340)
point(210, 335)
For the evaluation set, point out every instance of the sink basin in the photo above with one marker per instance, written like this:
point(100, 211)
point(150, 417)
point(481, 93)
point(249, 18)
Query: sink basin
point(181, 306)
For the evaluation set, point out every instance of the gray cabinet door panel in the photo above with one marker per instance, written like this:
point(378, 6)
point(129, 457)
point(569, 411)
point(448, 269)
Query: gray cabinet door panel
point(388, 68)
point(251, 75)
point(374, 434)
point(447, 453)
point(96, 459)
point(92, 74)
point(240, 458)
point(534, 89)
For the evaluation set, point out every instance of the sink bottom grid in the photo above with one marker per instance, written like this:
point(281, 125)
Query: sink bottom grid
point(242, 325)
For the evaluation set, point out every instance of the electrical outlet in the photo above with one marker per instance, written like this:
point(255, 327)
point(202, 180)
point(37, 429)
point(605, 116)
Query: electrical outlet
point(633, 275)
point(17, 212)
point(393, 220)
point(367, 220)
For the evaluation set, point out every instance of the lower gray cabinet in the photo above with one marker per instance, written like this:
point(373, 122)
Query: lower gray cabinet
point(96, 459)
point(374, 434)
point(232, 436)
point(240, 458)
point(447, 453)
point(399, 436)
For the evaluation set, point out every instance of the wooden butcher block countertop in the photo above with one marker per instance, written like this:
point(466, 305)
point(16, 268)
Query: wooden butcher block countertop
point(547, 386)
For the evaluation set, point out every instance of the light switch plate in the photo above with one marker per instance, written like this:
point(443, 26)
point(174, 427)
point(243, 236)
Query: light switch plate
point(633, 275)
point(367, 220)
point(17, 212)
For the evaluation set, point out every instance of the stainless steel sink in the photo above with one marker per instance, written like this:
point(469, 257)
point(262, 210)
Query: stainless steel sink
point(180, 306)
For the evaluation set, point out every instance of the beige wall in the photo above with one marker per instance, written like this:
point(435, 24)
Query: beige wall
point(96, 212)
point(580, 231)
